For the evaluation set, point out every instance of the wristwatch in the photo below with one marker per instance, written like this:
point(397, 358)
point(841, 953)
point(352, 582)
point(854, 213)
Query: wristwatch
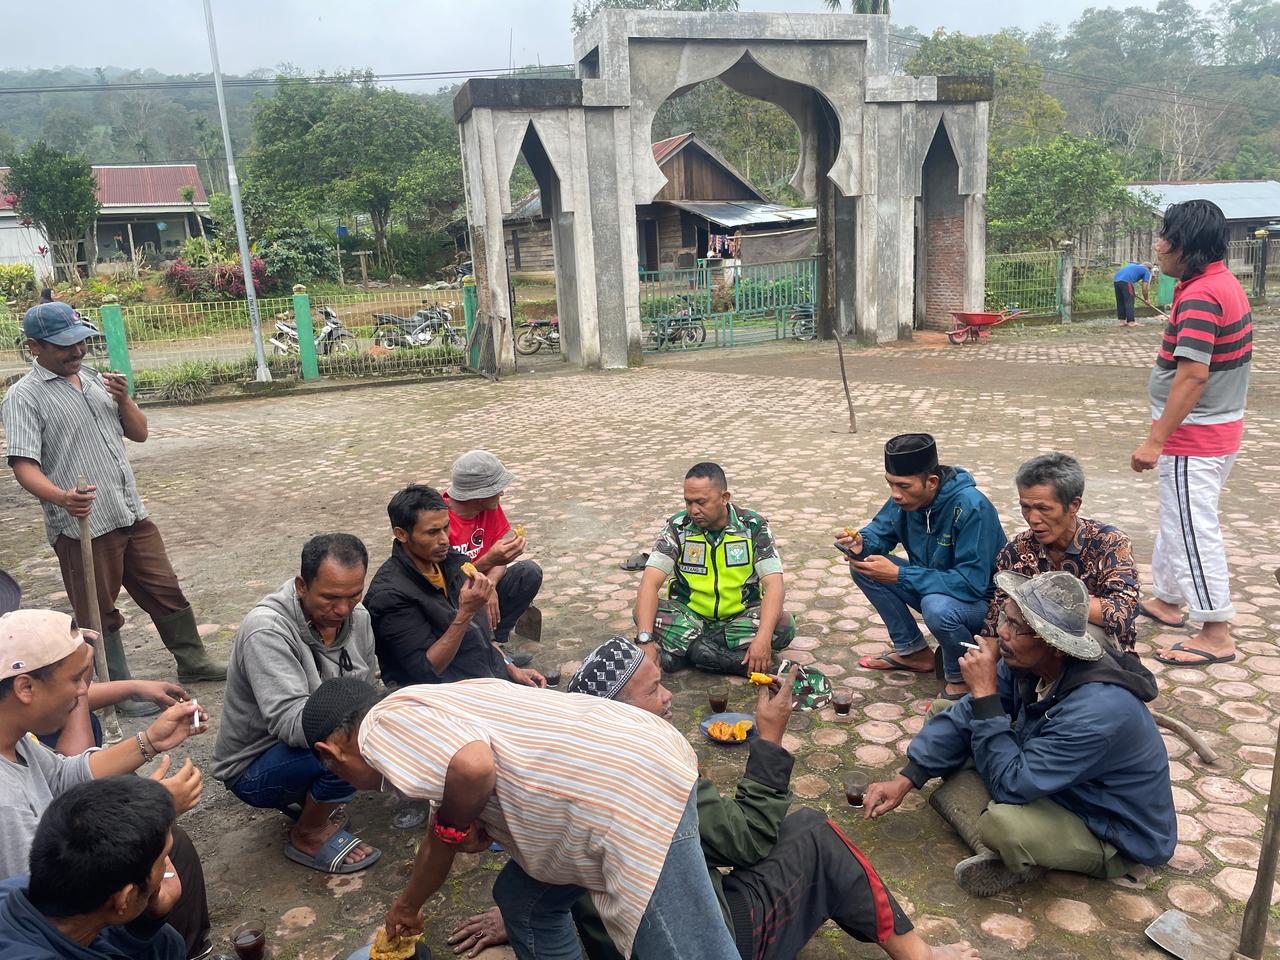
point(644, 636)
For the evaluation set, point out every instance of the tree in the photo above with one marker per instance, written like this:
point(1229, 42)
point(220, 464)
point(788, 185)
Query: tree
point(861, 6)
point(1041, 194)
point(343, 146)
point(1021, 112)
point(431, 189)
point(58, 192)
point(585, 10)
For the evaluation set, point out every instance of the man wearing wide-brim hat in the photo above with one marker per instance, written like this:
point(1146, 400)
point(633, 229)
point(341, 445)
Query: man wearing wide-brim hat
point(1053, 761)
point(951, 534)
point(478, 529)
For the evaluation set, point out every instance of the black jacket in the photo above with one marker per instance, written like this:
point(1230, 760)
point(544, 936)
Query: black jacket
point(409, 615)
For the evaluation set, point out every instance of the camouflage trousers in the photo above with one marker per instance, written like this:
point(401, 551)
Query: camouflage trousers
point(686, 638)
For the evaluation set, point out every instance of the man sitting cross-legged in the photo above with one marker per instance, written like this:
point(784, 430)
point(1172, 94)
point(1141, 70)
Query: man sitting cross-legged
point(45, 666)
point(723, 610)
point(1070, 772)
point(1050, 490)
point(790, 873)
point(101, 881)
point(586, 795)
point(310, 629)
point(429, 613)
point(951, 534)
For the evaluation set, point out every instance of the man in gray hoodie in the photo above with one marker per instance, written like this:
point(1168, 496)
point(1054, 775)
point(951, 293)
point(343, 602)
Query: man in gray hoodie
point(313, 628)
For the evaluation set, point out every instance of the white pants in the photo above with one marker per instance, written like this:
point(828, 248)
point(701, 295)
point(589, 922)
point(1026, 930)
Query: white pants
point(1189, 563)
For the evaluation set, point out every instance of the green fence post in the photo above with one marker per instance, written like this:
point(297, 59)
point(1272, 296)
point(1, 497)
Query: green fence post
point(306, 333)
point(469, 315)
point(117, 343)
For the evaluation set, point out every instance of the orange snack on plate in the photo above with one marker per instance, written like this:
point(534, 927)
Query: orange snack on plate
point(392, 948)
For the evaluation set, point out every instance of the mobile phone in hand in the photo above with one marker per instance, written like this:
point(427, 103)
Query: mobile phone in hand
point(847, 552)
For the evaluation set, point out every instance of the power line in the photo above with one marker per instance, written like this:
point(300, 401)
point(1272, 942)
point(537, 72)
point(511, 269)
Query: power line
point(274, 81)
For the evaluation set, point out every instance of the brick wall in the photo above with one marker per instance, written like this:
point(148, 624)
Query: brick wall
point(944, 277)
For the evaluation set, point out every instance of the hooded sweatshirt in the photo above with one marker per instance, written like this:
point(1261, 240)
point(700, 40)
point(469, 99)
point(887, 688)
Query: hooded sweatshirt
point(1090, 745)
point(951, 544)
point(277, 661)
point(27, 934)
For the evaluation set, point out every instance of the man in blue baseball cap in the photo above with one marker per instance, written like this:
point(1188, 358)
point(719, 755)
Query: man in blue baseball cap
point(64, 421)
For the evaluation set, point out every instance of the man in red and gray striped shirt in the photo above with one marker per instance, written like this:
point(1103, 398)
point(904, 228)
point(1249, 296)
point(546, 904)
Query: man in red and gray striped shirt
point(1197, 391)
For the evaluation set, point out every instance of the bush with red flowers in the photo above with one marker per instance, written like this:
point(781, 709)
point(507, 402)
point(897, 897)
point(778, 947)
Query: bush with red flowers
point(222, 281)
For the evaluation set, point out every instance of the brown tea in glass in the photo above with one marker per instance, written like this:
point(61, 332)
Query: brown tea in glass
point(249, 941)
point(855, 788)
point(552, 676)
point(719, 700)
point(842, 701)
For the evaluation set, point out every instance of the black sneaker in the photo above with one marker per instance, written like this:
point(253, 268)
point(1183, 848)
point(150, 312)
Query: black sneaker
point(672, 663)
point(985, 875)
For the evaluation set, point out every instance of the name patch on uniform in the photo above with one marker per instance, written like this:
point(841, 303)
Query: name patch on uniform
point(736, 554)
point(694, 557)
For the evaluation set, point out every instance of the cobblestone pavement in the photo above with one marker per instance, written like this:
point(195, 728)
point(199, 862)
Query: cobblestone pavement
point(236, 488)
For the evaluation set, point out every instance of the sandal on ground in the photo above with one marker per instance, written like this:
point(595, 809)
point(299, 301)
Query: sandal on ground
point(1209, 658)
point(953, 697)
point(331, 856)
point(637, 561)
point(890, 662)
point(1144, 612)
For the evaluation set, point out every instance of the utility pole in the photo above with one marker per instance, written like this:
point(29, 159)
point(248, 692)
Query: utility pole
point(233, 182)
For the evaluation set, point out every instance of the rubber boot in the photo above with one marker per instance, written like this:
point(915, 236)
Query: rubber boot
point(961, 801)
point(179, 634)
point(118, 667)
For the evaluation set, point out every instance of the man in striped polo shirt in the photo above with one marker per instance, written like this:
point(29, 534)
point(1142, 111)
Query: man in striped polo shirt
point(586, 795)
point(1197, 391)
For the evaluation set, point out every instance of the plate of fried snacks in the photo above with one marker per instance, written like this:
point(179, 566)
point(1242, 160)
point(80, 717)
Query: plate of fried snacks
point(730, 729)
point(396, 948)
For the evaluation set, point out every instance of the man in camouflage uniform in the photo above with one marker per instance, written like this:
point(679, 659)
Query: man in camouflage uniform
point(723, 609)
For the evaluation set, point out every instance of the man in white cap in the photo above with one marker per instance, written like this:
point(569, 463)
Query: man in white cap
point(45, 668)
point(1069, 771)
point(478, 529)
point(64, 421)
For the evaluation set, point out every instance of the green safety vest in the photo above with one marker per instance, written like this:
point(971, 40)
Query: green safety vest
point(710, 578)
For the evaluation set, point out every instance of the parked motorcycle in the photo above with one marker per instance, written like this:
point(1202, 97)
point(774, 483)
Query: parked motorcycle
point(682, 330)
point(536, 334)
point(333, 336)
point(430, 325)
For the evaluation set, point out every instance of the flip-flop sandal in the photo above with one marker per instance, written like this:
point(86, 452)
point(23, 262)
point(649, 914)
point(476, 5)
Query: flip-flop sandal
point(1209, 658)
point(329, 858)
point(868, 663)
point(637, 561)
point(1144, 612)
point(953, 697)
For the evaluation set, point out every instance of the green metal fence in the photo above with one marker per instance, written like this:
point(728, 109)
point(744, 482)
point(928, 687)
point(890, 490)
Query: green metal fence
point(1025, 281)
point(728, 306)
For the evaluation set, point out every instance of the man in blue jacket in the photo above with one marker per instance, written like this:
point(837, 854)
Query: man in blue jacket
point(100, 893)
point(1069, 770)
point(951, 534)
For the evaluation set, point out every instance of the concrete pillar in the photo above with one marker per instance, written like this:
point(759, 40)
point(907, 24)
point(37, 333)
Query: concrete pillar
point(975, 251)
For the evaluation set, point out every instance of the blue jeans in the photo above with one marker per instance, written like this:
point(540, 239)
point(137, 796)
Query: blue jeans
point(285, 775)
point(948, 619)
point(682, 922)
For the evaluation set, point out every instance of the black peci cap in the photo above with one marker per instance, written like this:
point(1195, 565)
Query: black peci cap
point(332, 702)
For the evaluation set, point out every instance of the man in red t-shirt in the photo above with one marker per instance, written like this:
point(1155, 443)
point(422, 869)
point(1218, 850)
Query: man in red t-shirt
point(478, 528)
point(1197, 391)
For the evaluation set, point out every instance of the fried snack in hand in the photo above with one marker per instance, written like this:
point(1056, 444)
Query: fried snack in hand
point(763, 679)
point(519, 529)
point(469, 569)
point(392, 948)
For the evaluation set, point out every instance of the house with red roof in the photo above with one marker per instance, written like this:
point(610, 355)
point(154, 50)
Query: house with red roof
point(142, 214)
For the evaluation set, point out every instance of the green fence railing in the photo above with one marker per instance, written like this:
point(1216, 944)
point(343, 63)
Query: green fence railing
point(1025, 281)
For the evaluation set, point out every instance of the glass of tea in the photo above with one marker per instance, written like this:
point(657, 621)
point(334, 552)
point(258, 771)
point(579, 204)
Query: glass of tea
point(855, 787)
point(842, 701)
point(552, 675)
point(249, 940)
point(719, 699)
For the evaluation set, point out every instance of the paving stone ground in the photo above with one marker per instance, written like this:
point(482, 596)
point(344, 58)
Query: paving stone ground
point(236, 489)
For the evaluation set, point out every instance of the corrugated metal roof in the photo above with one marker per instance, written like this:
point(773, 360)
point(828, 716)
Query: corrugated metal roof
point(140, 185)
point(664, 148)
point(745, 213)
point(1238, 199)
point(528, 207)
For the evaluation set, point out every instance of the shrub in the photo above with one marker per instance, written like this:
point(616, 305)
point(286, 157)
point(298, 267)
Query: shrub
point(182, 383)
point(220, 282)
point(294, 255)
point(196, 254)
point(96, 289)
point(17, 281)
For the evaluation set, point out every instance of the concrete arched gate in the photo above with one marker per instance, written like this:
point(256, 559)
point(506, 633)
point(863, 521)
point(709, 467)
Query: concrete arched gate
point(887, 219)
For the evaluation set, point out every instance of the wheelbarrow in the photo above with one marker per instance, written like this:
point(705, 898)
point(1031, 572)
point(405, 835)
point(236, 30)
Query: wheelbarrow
point(975, 326)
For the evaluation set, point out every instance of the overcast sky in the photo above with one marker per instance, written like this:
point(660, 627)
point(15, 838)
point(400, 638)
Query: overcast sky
point(389, 36)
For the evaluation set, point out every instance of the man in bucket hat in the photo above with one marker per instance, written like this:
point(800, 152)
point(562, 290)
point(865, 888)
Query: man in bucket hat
point(1068, 770)
point(64, 421)
point(478, 529)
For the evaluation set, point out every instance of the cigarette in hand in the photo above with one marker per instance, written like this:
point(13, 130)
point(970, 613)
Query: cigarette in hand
point(969, 646)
